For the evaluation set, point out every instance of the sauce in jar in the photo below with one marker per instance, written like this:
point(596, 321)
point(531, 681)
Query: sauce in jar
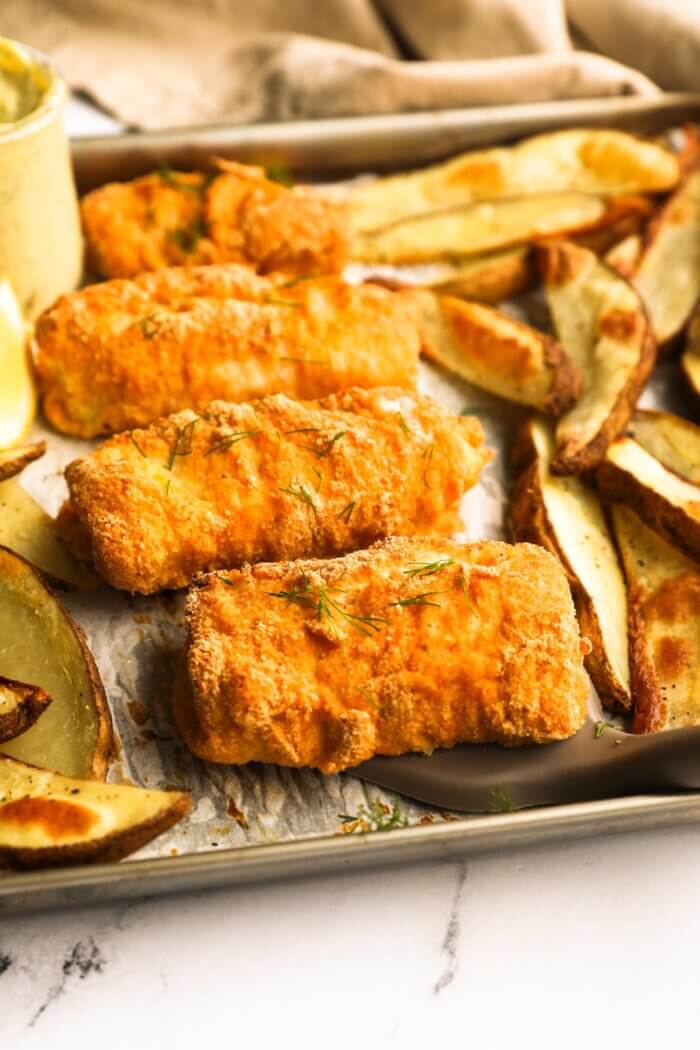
point(40, 239)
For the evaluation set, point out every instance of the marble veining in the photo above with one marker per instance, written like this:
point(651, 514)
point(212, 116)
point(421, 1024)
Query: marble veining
point(450, 942)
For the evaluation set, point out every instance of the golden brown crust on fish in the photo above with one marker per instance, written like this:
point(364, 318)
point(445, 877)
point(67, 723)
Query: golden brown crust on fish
point(190, 218)
point(274, 479)
point(412, 645)
point(120, 354)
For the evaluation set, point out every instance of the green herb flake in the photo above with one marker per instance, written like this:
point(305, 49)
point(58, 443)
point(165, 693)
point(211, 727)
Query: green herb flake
point(294, 281)
point(279, 172)
point(346, 513)
point(302, 494)
point(172, 179)
point(422, 599)
point(500, 800)
point(229, 440)
point(600, 728)
point(326, 449)
point(376, 816)
point(135, 443)
point(327, 607)
point(226, 580)
point(428, 568)
point(404, 426)
point(270, 301)
point(428, 458)
point(149, 326)
point(182, 443)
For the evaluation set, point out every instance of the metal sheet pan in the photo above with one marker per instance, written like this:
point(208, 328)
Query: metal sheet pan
point(326, 149)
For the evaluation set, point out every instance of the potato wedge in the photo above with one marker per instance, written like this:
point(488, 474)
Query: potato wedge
point(20, 706)
point(624, 256)
point(664, 599)
point(600, 322)
point(488, 278)
point(41, 643)
point(674, 441)
point(690, 359)
point(492, 225)
point(564, 515)
point(665, 502)
point(47, 819)
point(14, 460)
point(26, 528)
point(587, 160)
point(495, 352)
point(668, 273)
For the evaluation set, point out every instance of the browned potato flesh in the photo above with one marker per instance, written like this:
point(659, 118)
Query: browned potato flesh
point(564, 515)
point(491, 350)
point(662, 499)
point(49, 820)
point(41, 643)
point(20, 706)
point(14, 460)
point(412, 645)
point(601, 325)
point(664, 599)
point(587, 160)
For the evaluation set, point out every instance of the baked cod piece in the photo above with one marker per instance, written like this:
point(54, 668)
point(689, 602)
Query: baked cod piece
point(235, 214)
point(270, 480)
point(412, 645)
point(120, 354)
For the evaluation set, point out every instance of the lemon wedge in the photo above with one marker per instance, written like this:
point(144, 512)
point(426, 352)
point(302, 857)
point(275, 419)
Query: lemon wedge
point(17, 396)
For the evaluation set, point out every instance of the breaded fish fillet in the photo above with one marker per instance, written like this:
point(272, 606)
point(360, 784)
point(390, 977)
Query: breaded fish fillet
point(273, 479)
point(411, 645)
point(120, 354)
point(236, 214)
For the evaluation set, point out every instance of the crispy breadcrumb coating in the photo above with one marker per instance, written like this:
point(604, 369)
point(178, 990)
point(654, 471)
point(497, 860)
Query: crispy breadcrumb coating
point(236, 214)
point(120, 354)
point(412, 645)
point(273, 479)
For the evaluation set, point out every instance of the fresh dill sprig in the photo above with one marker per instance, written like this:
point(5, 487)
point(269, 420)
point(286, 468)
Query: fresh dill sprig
point(428, 568)
point(327, 448)
point(467, 595)
point(600, 728)
point(326, 607)
point(304, 430)
point(226, 580)
point(375, 816)
point(229, 440)
point(428, 458)
point(308, 360)
point(404, 426)
point(501, 801)
point(346, 513)
point(182, 444)
point(135, 443)
point(302, 494)
point(187, 238)
point(319, 478)
point(422, 599)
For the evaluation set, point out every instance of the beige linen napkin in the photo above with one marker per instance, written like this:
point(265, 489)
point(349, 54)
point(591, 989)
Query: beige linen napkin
point(161, 63)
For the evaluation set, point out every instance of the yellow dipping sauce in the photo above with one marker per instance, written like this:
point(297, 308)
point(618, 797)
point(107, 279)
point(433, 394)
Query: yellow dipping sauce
point(40, 240)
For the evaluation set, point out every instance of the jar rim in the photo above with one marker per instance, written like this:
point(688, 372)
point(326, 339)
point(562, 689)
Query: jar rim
point(51, 104)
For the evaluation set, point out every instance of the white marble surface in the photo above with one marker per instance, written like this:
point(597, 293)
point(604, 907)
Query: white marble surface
point(590, 944)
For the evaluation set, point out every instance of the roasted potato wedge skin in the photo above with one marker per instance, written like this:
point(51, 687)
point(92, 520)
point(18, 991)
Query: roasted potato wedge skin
point(668, 273)
point(24, 584)
point(20, 706)
point(533, 520)
point(664, 598)
point(57, 815)
point(674, 441)
point(664, 502)
point(495, 352)
point(14, 460)
point(492, 278)
point(611, 344)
